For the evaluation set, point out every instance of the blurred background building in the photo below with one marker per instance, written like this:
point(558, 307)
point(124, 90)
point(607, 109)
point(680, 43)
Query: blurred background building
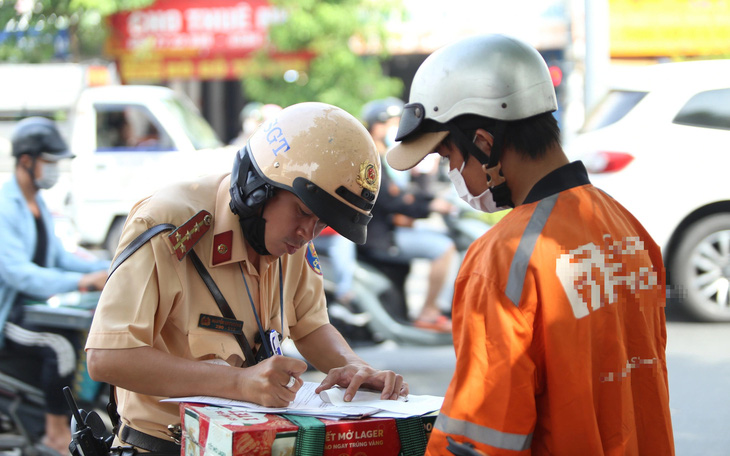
point(206, 48)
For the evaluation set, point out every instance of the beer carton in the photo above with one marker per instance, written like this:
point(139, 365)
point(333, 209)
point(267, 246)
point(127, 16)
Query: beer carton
point(220, 431)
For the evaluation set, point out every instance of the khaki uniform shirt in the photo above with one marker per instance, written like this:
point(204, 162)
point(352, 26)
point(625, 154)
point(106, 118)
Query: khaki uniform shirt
point(155, 300)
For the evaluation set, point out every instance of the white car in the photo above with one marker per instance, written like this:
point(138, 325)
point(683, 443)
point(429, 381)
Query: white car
point(659, 143)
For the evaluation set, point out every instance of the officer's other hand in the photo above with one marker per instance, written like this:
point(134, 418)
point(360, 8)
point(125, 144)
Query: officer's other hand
point(266, 382)
point(353, 376)
point(93, 281)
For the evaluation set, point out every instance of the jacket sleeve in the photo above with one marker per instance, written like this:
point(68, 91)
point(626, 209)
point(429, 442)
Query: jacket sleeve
point(491, 399)
point(69, 261)
point(61, 258)
point(17, 269)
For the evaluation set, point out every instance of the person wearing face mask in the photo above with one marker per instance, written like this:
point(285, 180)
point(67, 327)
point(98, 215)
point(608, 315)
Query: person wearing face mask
point(559, 325)
point(34, 266)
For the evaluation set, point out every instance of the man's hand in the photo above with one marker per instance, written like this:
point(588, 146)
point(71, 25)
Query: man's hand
point(147, 370)
point(328, 351)
point(353, 376)
point(266, 382)
point(93, 281)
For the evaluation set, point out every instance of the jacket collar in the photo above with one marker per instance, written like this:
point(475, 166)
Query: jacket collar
point(564, 178)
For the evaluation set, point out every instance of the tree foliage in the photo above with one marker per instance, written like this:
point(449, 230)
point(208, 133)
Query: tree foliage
point(40, 30)
point(335, 74)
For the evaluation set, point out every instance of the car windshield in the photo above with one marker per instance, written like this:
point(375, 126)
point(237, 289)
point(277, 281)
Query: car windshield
point(196, 128)
point(615, 105)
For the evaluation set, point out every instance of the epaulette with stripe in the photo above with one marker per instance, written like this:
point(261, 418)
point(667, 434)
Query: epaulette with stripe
point(189, 233)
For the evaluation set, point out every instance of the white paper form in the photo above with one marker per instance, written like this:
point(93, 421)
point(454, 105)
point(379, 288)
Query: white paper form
point(307, 402)
point(413, 405)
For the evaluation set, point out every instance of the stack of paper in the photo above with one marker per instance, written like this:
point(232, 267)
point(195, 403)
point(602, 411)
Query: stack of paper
point(330, 404)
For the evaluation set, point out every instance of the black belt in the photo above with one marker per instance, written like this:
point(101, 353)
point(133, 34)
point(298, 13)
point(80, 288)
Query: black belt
point(147, 442)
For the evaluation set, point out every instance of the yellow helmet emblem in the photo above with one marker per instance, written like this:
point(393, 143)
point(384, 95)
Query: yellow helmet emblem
point(368, 177)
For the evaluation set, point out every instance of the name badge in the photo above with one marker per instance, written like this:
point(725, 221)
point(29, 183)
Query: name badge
point(215, 323)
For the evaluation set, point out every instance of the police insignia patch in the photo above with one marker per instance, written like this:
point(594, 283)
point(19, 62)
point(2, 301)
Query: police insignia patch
point(368, 177)
point(222, 243)
point(189, 233)
point(313, 259)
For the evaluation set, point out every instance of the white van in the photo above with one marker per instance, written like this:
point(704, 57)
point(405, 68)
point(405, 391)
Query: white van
point(128, 141)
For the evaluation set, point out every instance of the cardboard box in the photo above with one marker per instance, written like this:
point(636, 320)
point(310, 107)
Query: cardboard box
point(219, 431)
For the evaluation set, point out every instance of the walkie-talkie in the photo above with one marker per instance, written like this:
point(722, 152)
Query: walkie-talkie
point(87, 430)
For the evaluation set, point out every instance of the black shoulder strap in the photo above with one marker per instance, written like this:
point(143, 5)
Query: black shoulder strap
point(138, 242)
point(222, 305)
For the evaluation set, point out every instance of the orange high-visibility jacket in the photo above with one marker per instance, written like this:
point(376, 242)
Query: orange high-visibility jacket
point(559, 332)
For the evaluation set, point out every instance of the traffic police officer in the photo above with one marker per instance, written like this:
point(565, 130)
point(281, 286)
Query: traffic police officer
point(159, 332)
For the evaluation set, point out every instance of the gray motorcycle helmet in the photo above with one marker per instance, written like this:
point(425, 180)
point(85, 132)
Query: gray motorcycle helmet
point(380, 111)
point(39, 137)
point(494, 76)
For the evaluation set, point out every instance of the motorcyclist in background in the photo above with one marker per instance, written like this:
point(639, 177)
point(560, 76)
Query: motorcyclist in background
point(34, 266)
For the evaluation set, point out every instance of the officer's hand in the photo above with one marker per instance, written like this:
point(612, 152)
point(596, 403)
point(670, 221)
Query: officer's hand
point(266, 382)
point(353, 376)
point(93, 281)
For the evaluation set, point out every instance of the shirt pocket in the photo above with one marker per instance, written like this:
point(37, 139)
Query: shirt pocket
point(207, 344)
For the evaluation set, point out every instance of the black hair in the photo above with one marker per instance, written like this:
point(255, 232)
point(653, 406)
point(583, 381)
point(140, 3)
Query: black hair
point(530, 137)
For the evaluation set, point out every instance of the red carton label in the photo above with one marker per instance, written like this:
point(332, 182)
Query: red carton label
point(373, 436)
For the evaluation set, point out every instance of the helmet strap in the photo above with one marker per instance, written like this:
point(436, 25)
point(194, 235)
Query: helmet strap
point(254, 230)
point(31, 171)
point(249, 193)
point(493, 169)
point(490, 164)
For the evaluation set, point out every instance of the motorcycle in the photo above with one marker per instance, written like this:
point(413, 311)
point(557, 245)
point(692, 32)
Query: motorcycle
point(22, 403)
point(378, 310)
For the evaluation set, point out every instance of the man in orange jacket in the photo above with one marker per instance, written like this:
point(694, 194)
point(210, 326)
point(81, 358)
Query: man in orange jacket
point(559, 325)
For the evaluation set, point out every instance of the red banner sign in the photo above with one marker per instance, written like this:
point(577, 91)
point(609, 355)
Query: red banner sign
point(196, 39)
point(193, 27)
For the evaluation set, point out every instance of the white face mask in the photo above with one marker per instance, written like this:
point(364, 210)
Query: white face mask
point(390, 135)
point(50, 172)
point(484, 202)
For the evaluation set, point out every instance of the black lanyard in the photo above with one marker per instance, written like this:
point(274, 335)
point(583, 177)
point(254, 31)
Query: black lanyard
point(253, 307)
